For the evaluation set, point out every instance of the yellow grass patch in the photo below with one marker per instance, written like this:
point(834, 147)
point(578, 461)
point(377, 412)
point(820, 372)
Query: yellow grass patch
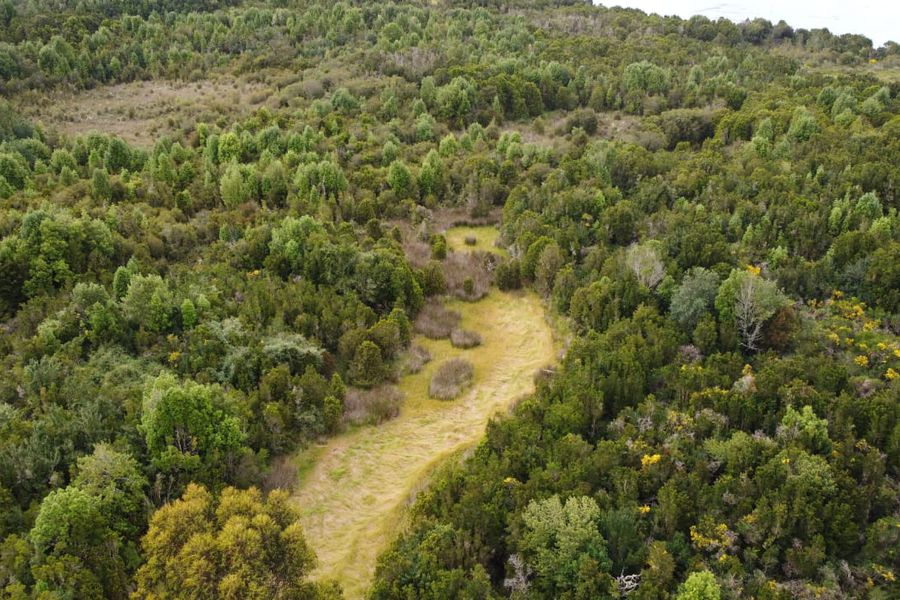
point(354, 489)
point(485, 238)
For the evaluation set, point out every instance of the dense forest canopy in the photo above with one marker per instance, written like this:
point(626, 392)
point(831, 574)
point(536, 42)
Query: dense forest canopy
point(711, 209)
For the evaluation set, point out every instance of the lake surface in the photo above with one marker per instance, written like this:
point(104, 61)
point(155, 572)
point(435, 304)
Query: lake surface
point(879, 21)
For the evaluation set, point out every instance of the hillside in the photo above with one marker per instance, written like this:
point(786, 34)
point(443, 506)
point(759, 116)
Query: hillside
point(240, 242)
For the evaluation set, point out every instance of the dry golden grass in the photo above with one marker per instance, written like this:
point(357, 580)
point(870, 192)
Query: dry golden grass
point(353, 490)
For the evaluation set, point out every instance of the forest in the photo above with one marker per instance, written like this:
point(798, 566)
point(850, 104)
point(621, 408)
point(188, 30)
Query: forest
point(705, 213)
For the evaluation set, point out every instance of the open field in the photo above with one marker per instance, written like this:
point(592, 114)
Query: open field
point(352, 498)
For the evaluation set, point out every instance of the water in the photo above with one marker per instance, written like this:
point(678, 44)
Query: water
point(878, 21)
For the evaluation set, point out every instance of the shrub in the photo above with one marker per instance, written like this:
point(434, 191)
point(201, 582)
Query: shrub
point(462, 338)
point(416, 358)
point(436, 322)
point(451, 379)
point(371, 407)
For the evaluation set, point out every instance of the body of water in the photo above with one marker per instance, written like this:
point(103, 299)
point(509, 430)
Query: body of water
point(878, 21)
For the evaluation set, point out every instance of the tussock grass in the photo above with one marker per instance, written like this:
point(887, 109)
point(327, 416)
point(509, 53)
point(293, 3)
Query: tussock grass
point(463, 338)
point(451, 379)
point(372, 407)
point(416, 357)
point(435, 321)
point(353, 490)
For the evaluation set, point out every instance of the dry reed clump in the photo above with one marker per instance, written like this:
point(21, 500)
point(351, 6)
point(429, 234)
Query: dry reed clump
point(436, 322)
point(371, 407)
point(451, 379)
point(416, 358)
point(463, 338)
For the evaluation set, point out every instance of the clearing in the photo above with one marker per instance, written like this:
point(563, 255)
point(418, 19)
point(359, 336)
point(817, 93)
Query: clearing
point(353, 489)
point(485, 238)
point(142, 111)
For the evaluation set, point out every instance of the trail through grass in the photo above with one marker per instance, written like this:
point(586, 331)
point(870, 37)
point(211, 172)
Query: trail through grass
point(353, 489)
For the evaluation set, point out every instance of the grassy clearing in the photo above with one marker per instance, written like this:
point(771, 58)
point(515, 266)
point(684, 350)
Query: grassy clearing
point(485, 238)
point(353, 490)
point(142, 111)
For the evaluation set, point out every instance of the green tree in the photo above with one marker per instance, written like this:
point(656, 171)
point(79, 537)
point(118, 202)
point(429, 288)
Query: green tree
point(148, 303)
point(367, 368)
point(189, 429)
point(101, 189)
point(400, 179)
point(234, 187)
point(694, 297)
point(700, 585)
point(75, 547)
point(563, 544)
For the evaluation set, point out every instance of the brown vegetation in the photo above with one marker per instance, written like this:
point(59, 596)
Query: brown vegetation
point(435, 321)
point(451, 379)
point(371, 407)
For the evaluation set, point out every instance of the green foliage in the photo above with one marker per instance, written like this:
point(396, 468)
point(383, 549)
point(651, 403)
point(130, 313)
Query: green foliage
point(367, 368)
point(189, 429)
point(729, 425)
point(700, 585)
point(563, 545)
point(694, 297)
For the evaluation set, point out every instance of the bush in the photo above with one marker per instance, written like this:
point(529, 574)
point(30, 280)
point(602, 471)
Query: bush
point(451, 379)
point(462, 338)
point(371, 407)
point(507, 276)
point(436, 322)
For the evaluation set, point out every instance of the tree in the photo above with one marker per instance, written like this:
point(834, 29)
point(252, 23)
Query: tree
point(115, 479)
point(700, 585)
point(807, 429)
point(148, 303)
point(234, 187)
point(645, 262)
point(748, 300)
point(456, 101)
point(76, 550)
point(646, 77)
point(189, 429)
point(694, 297)
point(367, 367)
point(324, 179)
point(101, 189)
point(238, 545)
point(562, 543)
point(431, 175)
point(400, 179)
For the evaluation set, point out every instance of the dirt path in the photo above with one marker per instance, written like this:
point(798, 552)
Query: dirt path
point(353, 490)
